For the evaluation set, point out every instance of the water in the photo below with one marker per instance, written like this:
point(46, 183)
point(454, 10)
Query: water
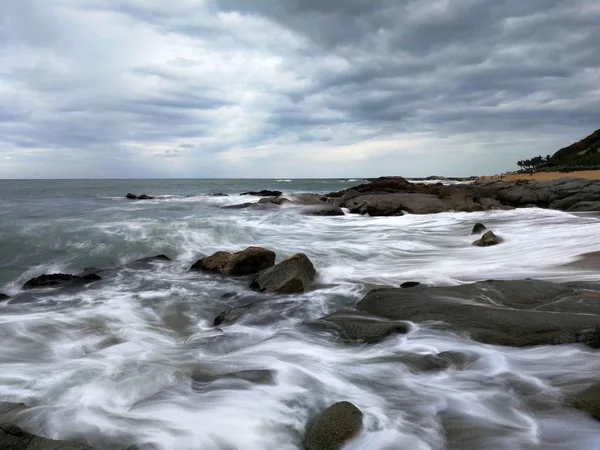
point(134, 359)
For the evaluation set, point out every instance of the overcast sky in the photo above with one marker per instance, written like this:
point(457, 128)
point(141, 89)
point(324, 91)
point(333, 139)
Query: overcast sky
point(292, 88)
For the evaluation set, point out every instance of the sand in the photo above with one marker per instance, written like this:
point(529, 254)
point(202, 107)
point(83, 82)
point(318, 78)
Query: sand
point(544, 176)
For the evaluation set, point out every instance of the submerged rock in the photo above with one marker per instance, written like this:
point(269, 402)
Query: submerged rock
point(249, 261)
point(15, 438)
point(255, 313)
point(588, 401)
point(145, 197)
point(292, 275)
point(131, 196)
point(219, 194)
point(263, 193)
point(50, 280)
point(513, 313)
point(360, 327)
point(478, 228)
point(409, 284)
point(335, 426)
point(487, 240)
point(3, 296)
point(325, 210)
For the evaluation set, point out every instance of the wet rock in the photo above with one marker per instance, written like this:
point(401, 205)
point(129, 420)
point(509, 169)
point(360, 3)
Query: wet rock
point(131, 196)
point(361, 328)
point(326, 210)
point(3, 296)
point(251, 205)
point(145, 197)
point(588, 401)
point(334, 427)
point(456, 359)
point(87, 279)
point(244, 378)
point(409, 284)
point(273, 201)
point(488, 239)
point(395, 204)
point(50, 280)
point(263, 193)
point(220, 194)
point(478, 228)
point(255, 313)
point(514, 313)
point(249, 261)
point(15, 438)
point(292, 275)
point(8, 408)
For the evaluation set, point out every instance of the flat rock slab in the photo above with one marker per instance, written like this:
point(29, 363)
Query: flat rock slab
point(356, 327)
point(513, 313)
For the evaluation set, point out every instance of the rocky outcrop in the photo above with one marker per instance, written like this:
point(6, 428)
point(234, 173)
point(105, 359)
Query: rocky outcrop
point(131, 196)
point(249, 261)
point(354, 327)
point(488, 239)
point(292, 275)
point(263, 193)
point(15, 438)
point(59, 280)
point(478, 228)
point(588, 401)
point(513, 313)
point(334, 427)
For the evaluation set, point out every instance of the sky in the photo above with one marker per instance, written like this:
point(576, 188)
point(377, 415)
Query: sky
point(292, 88)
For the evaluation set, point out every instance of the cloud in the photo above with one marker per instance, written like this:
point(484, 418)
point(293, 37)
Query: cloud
point(292, 87)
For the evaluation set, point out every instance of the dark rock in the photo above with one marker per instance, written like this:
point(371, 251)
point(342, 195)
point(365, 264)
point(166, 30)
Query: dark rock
point(335, 426)
point(264, 377)
point(145, 197)
point(273, 200)
point(3, 296)
point(249, 261)
point(263, 193)
point(255, 313)
point(290, 276)
point(150, 259)
point(131, 196)
point(250, 205)
point(488, 239)
point(220, 194)
point(15, 438)
point(7, 408)
point(588, 401)
point(327, 210)
point(51, 280)
point(513, 313)
point(409, 284)
point(87, 279)
point(360, 327)
point(478, 228)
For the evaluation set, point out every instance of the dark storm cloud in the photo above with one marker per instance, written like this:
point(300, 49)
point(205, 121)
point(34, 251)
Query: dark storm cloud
point(239, 81)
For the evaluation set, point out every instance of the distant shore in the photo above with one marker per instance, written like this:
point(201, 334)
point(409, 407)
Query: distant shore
point(546, 176)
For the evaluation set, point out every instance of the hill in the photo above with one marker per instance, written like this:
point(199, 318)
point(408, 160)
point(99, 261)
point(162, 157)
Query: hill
point(583, 153)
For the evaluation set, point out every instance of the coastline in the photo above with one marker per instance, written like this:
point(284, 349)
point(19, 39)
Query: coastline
point(544, 176)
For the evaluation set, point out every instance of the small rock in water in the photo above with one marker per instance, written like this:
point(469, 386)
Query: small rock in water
point(588, 401)
point(478, 228)
point(409, 284)
point(3, 296)
point(249, 261)
point(263, 193)
point(131, 196)
point(356, 327)
point(487, 240)
point(292, 275)
point(51, 280)
point(145, 197)
point(334, 427)
point(220, 194)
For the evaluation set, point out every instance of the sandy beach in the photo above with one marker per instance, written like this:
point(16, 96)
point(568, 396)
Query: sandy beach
point(545, 176)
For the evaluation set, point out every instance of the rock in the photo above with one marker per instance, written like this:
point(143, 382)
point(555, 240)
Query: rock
point(361, 328)
point(15, 438)
point(220, 194)
point(292, 275)
point(263, 193)
point(588, 401)
point(3, 296)
point(7, 408)
point(51, 280)
point(273, 200)
point(249, 261)
point(255, 313)
point(514, 313)
point(87, 279)
point(145, 197)
point(334, 427)
point(488, 239)
point(327, 210)
point(131, 196)
point(409, 284)
point(251, 205)
point(478, 228)
point(396, 204)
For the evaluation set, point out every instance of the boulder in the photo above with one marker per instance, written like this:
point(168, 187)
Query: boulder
point(145, 197)
point(292, 275)
point(249, 261)
point(588, 401)
point(478, 228)
point(273, 200)
point(409, 284)
point(50, 280)
point(395, 204)
point(15, 438)
point(263, 193)
point(325, 210)
point(334, 427)
point(3, 296)
point(515, 313)
point(354, 327)
point(131, 196)
point(488, 239)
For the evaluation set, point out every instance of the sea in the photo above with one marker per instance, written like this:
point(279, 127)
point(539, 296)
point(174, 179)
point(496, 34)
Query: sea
point(134, 362)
